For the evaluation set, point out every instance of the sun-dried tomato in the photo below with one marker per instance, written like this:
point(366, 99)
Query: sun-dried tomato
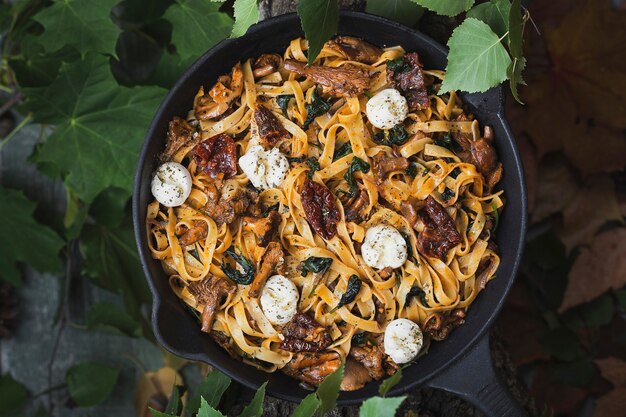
point(439, 234)
point(217, 155)
point(320, 208)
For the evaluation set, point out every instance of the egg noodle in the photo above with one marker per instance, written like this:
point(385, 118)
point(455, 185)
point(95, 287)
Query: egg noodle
point(447, 285)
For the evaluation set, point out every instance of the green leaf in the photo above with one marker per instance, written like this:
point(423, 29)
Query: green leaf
point(389, 383)
point(83, 24)
point(12, 395)
point(197, 26)
point(477, 60)
point(380, 407)
point(578, 373)
point(328, 391)
point(403, 11)
point(23, 239)
point(621, 297)
point(211, 389)
point(255, 408)
point(100, 125)
point(156, 413)
point(495, 13)
point(446, 7)
point(563, 344)
point(174, 405)
point(592, 314)
point(246, 15)
point(516, 32)
point(109, 318)
point(307, 407)
point(112, 262)
point(319, 19)
point(91, 383)
point(109, 208)
point(208, 411)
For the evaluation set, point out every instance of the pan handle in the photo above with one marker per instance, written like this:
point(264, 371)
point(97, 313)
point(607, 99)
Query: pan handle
point(474, 378)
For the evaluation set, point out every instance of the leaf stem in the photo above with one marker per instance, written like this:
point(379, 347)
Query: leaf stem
point(16, 129)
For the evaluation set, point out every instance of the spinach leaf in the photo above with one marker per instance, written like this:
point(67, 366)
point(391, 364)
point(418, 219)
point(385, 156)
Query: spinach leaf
point(314, 165)
point(296, 159)
point(283, 102)
point(354, 285)
point(455, 172)
point(447, 194)
point(342, 151)
point(244, 278)
point(316, 107)
point(397, 65)
point(397, 135)
point(316, 264)
point(416, 291)
point(357, 164)
point(445, 141)
point(411, 171)
point(359, 338)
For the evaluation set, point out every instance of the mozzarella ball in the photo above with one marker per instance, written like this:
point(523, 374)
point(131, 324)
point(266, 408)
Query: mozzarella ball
point(384, 247)
point(265, 169)
point(403, 340)
point(387, 109)
point(279, 299)
point(171, 184)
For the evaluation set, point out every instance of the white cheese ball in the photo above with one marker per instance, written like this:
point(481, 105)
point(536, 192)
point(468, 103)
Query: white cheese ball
point(387, 109)
point(279, 299)
point(171, 184)
point(384, 247)
point(265, 169)
point(403, 340)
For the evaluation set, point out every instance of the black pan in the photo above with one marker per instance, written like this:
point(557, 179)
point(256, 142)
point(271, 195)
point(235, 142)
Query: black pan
point(460, 364)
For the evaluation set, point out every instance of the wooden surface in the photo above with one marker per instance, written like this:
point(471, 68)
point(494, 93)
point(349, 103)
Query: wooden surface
point(41, 351)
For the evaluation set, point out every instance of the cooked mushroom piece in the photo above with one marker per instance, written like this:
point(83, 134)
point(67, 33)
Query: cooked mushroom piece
point(355, 376)
point(218, 100)
point(273, 260)
point(266, 64)
point(179, 134)
point(225, 204)
point(439, 325)
point(198, 231)
point(209, 294)
point(312, 367)
point(303, 333)
point(266, 125)
point(384, 165)
point(346, 80)
point(410, 81)
point(354, 207)
point(265, 228)
point(355, 49)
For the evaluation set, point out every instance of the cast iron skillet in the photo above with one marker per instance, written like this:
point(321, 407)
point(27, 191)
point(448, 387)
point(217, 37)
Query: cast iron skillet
point(460, 364)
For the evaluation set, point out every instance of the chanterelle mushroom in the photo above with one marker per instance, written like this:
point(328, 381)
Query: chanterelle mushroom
point(264, 228)
point(273, 260)
point(217, 101)
point(346, 80)
point(266, 64)
point(209, 293)
point(355, 49)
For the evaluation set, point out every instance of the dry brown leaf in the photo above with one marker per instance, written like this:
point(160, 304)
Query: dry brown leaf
point(612, 404)
point(154, 388)
point(593, 206)
point(529, 159)
point(579, 104)
point(597, 268)
point(556, 187)
point(613, 370)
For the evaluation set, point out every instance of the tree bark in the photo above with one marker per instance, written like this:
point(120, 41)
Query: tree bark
point(422, 402)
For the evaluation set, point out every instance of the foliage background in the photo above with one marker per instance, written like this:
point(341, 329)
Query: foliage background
point(66, 173)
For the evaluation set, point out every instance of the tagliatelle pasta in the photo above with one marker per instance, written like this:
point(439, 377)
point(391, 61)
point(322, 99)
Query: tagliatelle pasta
point(430, 178)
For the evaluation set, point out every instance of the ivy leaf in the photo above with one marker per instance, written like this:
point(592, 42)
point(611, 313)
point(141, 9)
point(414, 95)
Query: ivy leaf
point(246, 14)
point(12, 395)
point(83, 24)
point(477, 60)
point(208, 411)
point(255, 408)
point(328, 391)
point(91, 383)
point(112, 262)
point(308, 407)
point(23, 239)
point(380, 407)
point(100, 125)
point(197, 26)
point(495, 13)
point(319, 19)
point(446, 7)
point(403, 11)
point(109, 318)
point(389, 383)
point(211, 389)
